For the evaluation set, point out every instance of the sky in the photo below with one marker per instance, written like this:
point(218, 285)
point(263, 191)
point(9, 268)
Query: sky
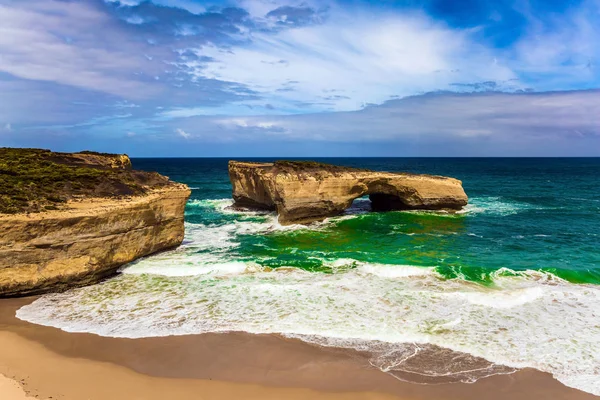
point(308, 78)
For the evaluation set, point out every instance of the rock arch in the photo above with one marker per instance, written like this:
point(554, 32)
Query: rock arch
point(304, 192)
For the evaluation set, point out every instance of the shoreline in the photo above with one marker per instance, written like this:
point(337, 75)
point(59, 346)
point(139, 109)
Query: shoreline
point(51, 362)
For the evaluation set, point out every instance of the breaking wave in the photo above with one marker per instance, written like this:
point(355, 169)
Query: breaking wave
point(518, 322)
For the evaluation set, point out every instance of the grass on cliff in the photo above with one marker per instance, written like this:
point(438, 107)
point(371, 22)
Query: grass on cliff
point(314, 169)
point(320, 170)
point(34, 180)
point(312, 166)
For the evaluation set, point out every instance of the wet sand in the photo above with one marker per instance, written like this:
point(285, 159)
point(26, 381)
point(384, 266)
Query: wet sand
point(50, 363)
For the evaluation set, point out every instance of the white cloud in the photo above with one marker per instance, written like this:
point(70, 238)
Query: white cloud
point(258, 124)
point(485, 120)
point(352, 60)
point(130, 134)
point(183, 133)
point(125, 104)
point(561, 50)
point(125, 2)
point(71, 43)
point(8, 127)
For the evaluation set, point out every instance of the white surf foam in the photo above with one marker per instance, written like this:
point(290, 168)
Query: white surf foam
point(358, 208)
point(491, 205)
point(503, 298)
point(496, 206)
point(205, 251)
point(395, 271)
point(204, 268)
point(525, 319)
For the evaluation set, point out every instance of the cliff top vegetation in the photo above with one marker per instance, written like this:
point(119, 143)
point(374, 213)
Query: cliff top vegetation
point(34, 180)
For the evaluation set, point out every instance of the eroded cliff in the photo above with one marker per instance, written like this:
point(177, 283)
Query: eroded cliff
point(304, 192)
point(107, 215)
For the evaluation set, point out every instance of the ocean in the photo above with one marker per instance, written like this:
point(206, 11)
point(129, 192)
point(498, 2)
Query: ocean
point(510, 282)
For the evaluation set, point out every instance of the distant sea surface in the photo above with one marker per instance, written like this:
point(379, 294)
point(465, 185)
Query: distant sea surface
point(510, 282)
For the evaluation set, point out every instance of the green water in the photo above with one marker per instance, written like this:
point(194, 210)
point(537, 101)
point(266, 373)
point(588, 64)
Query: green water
point(541, 214)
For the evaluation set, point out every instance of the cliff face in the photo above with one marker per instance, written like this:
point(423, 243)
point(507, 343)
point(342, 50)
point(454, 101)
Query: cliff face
point(304, 192)
point(90, 236)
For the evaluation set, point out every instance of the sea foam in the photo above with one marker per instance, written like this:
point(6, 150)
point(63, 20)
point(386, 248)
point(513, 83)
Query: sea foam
point(496, 206)
point(521, 321)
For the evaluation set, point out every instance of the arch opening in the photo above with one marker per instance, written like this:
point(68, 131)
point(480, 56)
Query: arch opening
point(376, 202)
point(381, 202)
point(359, 205)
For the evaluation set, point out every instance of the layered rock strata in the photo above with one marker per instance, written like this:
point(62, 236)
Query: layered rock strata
point(90, 236)
point(304, 192)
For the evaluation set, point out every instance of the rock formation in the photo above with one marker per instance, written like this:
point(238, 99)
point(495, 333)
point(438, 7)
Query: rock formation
point(108, 215)
point(304, 192)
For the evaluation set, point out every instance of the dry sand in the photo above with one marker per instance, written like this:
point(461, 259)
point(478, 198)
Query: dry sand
point(50, 363)
point(48, 375)
point(11, 390)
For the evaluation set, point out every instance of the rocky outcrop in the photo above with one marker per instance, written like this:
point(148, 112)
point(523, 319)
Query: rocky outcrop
point(89, 237)
point(304, 192)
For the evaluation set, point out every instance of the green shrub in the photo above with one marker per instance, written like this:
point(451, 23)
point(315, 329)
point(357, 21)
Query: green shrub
point(32, 180)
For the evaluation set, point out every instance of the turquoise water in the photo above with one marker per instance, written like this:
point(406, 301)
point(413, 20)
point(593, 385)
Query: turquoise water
point(512, 279)
point(523, 214)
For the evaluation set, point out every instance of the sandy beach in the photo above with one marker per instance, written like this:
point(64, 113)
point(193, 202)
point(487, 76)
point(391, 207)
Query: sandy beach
point(42, 362)
point(10, 389)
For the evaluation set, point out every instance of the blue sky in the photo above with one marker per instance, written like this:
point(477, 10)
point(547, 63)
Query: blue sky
point(302, 78)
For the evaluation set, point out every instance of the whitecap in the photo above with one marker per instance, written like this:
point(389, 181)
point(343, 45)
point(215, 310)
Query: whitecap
point(396, 271)
point(203, 268)
point(503, 298)
point(495, 205)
